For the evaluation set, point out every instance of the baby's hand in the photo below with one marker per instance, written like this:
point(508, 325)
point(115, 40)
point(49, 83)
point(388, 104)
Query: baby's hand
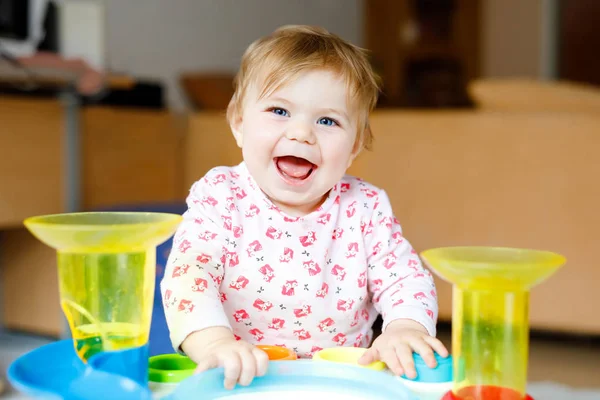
point(396, 345)
point(241, 360)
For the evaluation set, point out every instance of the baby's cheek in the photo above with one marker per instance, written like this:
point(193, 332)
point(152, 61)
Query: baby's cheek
point(338, 152)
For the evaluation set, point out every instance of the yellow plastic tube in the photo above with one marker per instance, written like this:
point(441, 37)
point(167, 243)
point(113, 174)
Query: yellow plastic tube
point(106, 273)
point(490, 315)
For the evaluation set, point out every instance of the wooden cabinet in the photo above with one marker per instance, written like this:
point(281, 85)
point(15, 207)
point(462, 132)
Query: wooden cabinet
point(578, 38)
point(128, 157)
point(31, 159)
point(131, 156)
point(30, 300)
point(31, 183)
point(425, 50)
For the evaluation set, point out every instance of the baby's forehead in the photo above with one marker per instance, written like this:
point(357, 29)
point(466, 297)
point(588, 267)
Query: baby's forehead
point(272, 84)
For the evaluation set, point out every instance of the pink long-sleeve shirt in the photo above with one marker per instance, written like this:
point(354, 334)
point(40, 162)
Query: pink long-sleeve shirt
point(306, 283)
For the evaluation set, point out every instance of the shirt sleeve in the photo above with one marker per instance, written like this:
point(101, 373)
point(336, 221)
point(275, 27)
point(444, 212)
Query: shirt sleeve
point(401, 287)
point(194, 270)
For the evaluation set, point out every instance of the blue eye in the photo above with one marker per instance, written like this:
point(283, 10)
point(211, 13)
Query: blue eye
point(279, 111)
point(327, 121)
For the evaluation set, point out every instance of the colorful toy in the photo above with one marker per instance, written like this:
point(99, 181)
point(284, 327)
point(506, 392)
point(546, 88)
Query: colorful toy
point(168, 370)
point(106, 270)
point(346, 355)
point(277, 353)
point(431, 383)
point(69, 378)
point(296, 380)
point(106, 264)
point(490, 326)
point(55, 371)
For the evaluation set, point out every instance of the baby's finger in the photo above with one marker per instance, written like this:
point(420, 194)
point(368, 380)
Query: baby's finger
point(233, 367)
point(369, 356)
point(207, 363)
point(390, 358)
point(437, 345)
point(405, 355)
point(248, 371)
point(424, 349)
point(262, 361)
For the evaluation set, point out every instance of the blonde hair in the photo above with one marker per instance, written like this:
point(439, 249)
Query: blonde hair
point(293, 49)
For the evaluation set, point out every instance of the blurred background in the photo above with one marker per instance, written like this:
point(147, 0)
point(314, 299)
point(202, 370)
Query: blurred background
point(487, 132)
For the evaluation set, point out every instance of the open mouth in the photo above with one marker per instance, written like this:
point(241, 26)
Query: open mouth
point(294, 169)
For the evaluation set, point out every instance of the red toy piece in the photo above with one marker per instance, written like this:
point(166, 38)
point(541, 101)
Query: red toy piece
point(485, 392)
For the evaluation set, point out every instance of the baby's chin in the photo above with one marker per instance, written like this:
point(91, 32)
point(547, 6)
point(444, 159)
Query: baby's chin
point(294, 204)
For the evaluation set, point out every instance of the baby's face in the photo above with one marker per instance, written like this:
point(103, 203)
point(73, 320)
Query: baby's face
point(299, 141)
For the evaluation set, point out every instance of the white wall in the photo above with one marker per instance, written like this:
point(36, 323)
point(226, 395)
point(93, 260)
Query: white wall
point(161, 38)
point(519, 38)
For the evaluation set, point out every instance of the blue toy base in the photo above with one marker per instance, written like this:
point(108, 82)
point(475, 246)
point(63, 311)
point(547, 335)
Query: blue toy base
point(55, 372)
point(299, 379)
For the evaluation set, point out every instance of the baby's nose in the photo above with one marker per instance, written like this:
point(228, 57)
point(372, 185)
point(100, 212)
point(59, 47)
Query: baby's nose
point(301, 132)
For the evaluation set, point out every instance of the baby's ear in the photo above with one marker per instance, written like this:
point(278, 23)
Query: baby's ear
point(361, 142)
point(235, 122)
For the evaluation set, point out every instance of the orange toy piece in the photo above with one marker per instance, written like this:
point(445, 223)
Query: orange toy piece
point(277, 353)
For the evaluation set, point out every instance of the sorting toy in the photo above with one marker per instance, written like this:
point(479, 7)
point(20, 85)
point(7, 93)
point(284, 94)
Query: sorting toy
point(168, 370)
point(277, 353)
point(346, 355)
point(106, 268)
point(430, 383)
point(301, 379)
point(490, 311)
point(171, 378)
